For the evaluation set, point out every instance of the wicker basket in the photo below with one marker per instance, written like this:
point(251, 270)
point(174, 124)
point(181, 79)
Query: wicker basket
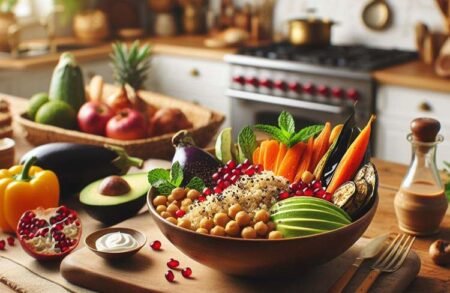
point(206, 124)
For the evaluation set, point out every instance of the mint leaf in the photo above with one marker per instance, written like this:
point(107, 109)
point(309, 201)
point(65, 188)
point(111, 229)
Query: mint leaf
point(246, 143)
point(176, 174)
point(165, 188)
point(196, 183)
point(305, 134)
point(286, 123)
point(158, 174)
point(274, 132)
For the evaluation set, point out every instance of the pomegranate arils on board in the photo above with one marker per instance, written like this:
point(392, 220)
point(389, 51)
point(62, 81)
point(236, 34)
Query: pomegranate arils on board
point(156, 245)
point(2, 244)
point(173, 263)
point(186, 272)
point(170, 276)
point(10, 240)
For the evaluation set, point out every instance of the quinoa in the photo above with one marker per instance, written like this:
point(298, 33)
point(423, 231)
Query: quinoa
point(253, 193)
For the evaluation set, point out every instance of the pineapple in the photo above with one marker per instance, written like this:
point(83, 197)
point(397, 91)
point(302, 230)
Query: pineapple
point(130, 65)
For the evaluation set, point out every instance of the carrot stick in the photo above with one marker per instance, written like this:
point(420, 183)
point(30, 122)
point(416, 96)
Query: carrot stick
point(270, 155)
point(352, 158)
point(256, 155)
point(321, 145)
point(306, 160)
point(335, 133)
point(282, 149)
point(291, 160)
point(262, 151)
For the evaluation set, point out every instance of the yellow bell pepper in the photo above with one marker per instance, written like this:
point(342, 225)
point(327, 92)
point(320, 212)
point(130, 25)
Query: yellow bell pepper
point(25, 187)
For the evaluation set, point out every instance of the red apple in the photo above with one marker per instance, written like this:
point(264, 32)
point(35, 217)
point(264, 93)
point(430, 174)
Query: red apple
point(126, 125)
point(93, 117)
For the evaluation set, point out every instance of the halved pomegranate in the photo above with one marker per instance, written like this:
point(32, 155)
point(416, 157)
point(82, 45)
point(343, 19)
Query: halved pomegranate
point(49, 234)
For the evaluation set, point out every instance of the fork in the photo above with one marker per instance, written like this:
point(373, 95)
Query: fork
point(388, 262)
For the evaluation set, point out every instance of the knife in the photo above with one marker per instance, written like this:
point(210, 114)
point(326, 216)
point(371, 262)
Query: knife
point(369, 251)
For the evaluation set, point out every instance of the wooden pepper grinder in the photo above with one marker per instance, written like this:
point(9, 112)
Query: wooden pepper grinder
point(420, 204)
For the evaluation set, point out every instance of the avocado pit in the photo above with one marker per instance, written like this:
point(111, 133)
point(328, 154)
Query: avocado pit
point(114, 186)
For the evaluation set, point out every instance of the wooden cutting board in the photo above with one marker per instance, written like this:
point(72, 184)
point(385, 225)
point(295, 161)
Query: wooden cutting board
point(145, 271)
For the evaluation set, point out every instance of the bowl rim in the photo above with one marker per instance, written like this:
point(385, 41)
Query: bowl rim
point(153, 212)
point(101, 232)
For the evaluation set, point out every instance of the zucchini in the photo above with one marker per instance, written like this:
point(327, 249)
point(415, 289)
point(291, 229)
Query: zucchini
point(67, 82)
point(77, 165)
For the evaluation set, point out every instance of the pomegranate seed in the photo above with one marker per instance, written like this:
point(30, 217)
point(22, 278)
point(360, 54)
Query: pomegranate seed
point(156, 245)
point(234, 178)
point(179, 213)
point(320, 192)
point(10, 240)
point(201, 198)
point(2, 244)
point(231, 164)
point(217, 189)
point(239, 167)
point(236, 172)
point(187, 272)
point(170, 276)
point(299, 193)
point(283, 195)
point(226, 184)
point(206, 191)
point(246, 163)
point(220, 170)
point(316, 184)
point(173, 263)
point(215, 176)
point(328, 196)
point(220, 185)
point(293, 186)
point(259, 168)
point(226, 177)
point(308, 192)
point(30, 215)
point(250, 172)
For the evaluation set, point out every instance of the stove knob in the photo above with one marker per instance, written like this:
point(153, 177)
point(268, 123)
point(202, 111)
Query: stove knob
point(252, 81)
point(352, 94)
point(239, 79)
point(337, 92)
point(323, 90)
point(294, 87)
point(309, 88)
point(280, 85)
point(267, 83)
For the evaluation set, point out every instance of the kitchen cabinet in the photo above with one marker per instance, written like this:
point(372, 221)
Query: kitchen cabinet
point(396, 108)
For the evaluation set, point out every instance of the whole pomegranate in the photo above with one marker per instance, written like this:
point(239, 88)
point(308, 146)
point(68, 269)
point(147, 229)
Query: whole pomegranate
point(49, 234)
point(168, 120)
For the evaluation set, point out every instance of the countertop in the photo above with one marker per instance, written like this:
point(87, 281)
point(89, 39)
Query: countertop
point(431, 278)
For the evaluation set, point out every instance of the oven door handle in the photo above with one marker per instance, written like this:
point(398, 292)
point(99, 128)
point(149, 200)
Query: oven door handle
point(286, 102)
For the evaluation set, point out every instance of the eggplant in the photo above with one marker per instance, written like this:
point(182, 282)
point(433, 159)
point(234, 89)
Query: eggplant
point(77, 165)
point(339, 148)
point(194, 161)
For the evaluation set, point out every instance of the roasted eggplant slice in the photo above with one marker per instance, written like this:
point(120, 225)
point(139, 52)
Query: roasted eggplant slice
point(366, 181)
point(344, 194)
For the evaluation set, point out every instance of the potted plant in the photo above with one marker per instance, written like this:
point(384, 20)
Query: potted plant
point(7, 18)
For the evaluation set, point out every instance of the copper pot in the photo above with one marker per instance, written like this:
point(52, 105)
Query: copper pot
point(310, 32)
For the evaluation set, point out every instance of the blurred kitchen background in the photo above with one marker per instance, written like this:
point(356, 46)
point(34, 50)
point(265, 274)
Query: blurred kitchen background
point(240, 57)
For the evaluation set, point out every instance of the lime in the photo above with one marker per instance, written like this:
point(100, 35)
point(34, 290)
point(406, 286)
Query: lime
point(57, 113)
point(225, 149)
point(36, 101)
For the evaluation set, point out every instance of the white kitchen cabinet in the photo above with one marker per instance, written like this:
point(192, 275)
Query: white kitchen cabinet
point(196, 80)
point(396, 108)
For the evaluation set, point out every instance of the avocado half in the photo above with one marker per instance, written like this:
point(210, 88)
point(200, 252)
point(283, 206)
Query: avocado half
point(114, 209)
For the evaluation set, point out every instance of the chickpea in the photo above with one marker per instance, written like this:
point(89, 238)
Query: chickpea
point(186, 202)
point(232, 228)
point(275, 235)
point(176, 202)
point(206, 223)
point(270, 226)
point(242, 218)
point(172, 220)
point(262, 215)
point(178, 193)
point(261, 228)
point(202, 231)
point(166, 215)
point(170, 198)
point(172, 208)
point(221, 219)
point(193, 194)
point(248, 233)
point(159, 200)
point(185, 223)
point(161, 208)
point(218, 231)
point(233, 210)
point(185, 209)
point(307, 177)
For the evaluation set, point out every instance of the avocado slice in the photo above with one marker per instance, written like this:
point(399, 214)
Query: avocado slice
point(110, 209)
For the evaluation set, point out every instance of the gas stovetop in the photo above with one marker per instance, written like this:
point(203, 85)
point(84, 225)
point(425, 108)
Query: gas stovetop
point(355, 57)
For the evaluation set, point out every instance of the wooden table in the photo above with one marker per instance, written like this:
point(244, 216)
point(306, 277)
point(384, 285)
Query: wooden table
point(431, 278)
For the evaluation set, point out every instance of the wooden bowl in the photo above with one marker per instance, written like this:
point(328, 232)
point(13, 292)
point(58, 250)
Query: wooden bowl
point(92, 238)
point(7, 152)
point(256, 257)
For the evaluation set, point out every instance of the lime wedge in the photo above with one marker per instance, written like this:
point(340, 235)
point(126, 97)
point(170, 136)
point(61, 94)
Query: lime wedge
point(224, 146)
